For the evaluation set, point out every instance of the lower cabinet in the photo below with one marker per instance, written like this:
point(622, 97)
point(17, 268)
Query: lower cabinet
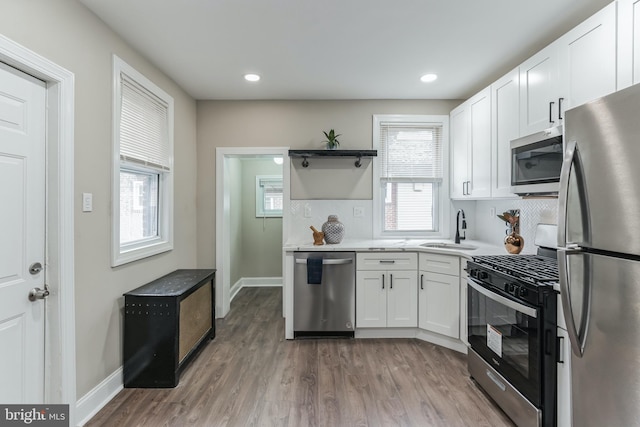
point(439, 294)
point(386, 288)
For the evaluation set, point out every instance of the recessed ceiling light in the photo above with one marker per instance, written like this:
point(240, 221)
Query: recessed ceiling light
point(428, 78)
point(251, 77)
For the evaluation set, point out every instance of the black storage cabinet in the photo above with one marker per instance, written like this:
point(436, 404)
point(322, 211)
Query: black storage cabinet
point(166, 322)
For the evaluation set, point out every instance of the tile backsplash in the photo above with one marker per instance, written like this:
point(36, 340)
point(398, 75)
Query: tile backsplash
point(359, 227)
point(489, 228)
point(483, 224)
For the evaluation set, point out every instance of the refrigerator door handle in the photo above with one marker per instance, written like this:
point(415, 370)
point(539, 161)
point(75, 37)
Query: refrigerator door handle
point(572, 165)
point(564, 190)
point(577, 342)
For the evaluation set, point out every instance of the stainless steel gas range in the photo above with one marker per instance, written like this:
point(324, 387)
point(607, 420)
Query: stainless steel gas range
point(512, 333)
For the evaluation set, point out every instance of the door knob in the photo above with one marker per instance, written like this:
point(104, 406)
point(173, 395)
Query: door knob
point(37, 293)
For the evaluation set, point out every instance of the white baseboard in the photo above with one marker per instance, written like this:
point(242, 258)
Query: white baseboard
point(89, 404)
point(254, 282)
point(385, 333)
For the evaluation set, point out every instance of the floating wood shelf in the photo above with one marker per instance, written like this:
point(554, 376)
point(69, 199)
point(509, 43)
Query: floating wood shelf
point(306, 154)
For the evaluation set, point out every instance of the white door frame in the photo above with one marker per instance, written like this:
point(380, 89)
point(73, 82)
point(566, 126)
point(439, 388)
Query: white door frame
point(223, 229)
point(60, 354)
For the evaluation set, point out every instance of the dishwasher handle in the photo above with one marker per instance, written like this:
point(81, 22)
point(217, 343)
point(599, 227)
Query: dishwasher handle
point(328, 261)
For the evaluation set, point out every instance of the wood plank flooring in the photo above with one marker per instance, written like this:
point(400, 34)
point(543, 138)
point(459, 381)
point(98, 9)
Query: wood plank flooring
point(251, 376)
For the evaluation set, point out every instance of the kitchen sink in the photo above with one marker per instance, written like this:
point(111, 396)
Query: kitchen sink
point(445, 245)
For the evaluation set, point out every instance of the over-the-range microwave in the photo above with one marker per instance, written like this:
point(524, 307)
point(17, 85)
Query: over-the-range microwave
point(536, 161)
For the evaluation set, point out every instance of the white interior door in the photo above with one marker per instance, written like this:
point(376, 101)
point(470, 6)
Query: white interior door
point(22, 231)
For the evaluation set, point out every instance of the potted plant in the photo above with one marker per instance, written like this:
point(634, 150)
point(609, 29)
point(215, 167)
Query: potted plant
point(331, 142)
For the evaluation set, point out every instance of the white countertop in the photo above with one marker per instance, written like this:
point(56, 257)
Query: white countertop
point(397, 245)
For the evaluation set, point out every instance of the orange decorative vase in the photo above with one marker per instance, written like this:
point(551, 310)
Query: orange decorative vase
point(514, 243)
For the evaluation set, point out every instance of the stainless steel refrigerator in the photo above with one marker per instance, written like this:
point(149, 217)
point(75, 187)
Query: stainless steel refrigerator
point(599, 258)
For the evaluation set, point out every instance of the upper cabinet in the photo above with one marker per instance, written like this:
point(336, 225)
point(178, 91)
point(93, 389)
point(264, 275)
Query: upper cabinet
point(578, 67)
point(539, 91)
point(505, 119)
point(587, 60)
point(471, 148)
point(459, 137)
point(628, 43)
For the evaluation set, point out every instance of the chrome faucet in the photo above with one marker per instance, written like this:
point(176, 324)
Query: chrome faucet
point(458, 228)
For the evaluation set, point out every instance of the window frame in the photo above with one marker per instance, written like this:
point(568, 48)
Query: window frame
point(441, 216)
point(260, 211)
point(163, 241)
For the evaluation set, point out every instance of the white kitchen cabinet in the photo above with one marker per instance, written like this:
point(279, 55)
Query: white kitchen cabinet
point(628, 43)
point(386, 290)
point(539, 91)
point(480, 145)
point(471, 148)
point(578, 67)
point(459, 119)
point(505, 126)
point(564, 379)
point(587, 60)
point(439, 294)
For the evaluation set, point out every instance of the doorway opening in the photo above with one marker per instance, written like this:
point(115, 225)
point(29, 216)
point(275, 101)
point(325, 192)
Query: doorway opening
point(252, 204)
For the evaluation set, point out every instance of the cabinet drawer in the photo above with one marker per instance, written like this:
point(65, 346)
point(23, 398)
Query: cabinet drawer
point(387, 261)
point(443, 264)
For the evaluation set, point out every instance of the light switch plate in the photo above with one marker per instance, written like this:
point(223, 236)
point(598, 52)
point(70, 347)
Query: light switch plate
point(358, 211)
point(307, 211)
point(87, 202)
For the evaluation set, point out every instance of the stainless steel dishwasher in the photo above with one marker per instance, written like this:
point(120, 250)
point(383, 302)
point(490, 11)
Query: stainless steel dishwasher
point(324, 294)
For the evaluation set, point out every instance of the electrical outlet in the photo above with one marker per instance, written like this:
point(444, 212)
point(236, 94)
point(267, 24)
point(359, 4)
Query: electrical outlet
point(358, 211)
point(307, 211)
point(492, 212)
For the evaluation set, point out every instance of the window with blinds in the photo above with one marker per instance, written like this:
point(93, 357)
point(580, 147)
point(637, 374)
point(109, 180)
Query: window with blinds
point(411, 172)
point(269, 198)
point(143, 179)
point(144, 129)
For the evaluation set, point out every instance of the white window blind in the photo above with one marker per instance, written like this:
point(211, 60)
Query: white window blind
point(411, 152)
point(411, 173)
point(144, 133)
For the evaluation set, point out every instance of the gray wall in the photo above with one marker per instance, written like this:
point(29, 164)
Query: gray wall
point(294, 124)
point(261, 238)
point(68, 34)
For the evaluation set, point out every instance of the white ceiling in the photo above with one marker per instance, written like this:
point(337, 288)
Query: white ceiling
point(339, 49)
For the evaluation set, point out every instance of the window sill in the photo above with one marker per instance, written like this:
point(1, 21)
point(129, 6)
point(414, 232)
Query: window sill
point(131, 255)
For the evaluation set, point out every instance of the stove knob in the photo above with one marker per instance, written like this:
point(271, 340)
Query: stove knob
point(523, 292)
point(473, 273)
point(483, 275)
point(512, 287)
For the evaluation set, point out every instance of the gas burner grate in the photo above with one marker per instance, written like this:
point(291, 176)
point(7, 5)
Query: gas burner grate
point(530, 268)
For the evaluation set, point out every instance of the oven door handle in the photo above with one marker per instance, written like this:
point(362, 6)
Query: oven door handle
point(529, 311)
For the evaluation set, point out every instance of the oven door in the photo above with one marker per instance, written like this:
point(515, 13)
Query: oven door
point(507, 335)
